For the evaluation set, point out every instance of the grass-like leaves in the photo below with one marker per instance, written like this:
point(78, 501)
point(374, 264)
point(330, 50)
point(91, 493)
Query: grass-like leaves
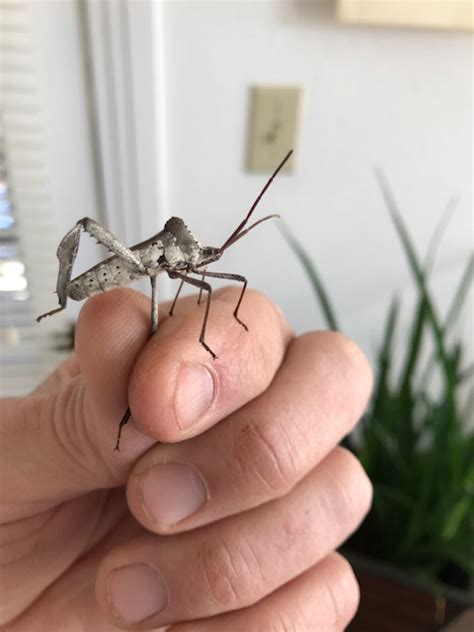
point(414, 442)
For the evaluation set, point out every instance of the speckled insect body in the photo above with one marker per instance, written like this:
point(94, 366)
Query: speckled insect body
point(174, 250)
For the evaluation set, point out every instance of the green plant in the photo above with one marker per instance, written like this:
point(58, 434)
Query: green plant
point(413, 440)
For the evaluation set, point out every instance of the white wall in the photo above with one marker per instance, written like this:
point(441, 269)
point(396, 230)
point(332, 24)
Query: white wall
point(56, 35)
point(397, 98)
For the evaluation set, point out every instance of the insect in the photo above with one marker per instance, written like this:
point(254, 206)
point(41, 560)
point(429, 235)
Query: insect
point(174, 250)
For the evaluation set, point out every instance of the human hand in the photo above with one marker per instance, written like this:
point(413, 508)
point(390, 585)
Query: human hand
point(231, 523)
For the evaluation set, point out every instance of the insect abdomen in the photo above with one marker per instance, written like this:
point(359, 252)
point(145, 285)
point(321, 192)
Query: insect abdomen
point(105, 276)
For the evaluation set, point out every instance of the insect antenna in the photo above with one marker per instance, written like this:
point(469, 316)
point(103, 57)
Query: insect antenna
point(235, 235)
point(229, 242)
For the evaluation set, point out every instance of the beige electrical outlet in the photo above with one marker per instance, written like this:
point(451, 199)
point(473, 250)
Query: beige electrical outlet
point(274, 123)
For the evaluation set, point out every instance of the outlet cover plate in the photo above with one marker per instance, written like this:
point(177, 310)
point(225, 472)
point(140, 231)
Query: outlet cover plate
point(274, 124)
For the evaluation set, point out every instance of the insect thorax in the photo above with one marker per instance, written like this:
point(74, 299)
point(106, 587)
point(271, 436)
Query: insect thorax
point(180, 245)
point(151, 254)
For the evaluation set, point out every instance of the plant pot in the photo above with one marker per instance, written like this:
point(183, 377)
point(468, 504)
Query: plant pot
point(393, 601)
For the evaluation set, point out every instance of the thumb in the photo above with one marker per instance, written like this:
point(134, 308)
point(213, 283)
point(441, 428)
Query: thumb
point(58, 442)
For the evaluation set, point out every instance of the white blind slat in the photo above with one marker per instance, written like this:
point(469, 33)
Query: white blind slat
point(27, 349)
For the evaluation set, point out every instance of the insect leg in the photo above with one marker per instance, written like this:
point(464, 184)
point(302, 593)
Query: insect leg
point(67, 252)
point(154, 305)
point(170, 313)
point(232, 277)
point(200, 289)
point(154, 326)
point(204, 286)
point(123, 421)
point(111, 242)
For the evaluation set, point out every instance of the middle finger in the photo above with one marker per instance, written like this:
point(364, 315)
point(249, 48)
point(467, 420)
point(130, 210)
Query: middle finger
point(262, 450)
point(238, 561)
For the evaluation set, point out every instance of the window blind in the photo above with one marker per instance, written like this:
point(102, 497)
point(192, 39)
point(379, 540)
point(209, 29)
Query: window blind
point(28, 235)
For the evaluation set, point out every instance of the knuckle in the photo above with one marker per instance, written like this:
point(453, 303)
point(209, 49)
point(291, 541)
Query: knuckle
point(351, 490)
point(265, 455)
point(76, 439)
point(232, 573)
point(66, 427)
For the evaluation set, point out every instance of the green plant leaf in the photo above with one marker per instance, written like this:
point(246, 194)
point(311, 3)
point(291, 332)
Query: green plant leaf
point(419, 277)
point(413, 345)
point(385, 354)
point(313, 274)
point(460, 294)
point(454, 310)
point(438, 233)
point(412, 439)
point(455, 517)
point(396, 496)
point(406, 430)
point(381, 407)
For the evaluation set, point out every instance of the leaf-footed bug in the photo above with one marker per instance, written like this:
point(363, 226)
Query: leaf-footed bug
point(174, 250)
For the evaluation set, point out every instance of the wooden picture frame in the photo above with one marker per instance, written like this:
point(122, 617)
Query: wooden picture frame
point(436, 14)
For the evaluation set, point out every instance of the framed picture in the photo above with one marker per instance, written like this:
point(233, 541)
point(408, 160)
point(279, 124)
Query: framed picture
point(439, 14)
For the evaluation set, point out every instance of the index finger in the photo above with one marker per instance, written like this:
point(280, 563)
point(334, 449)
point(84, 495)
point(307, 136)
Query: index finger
point(64, 434)
point(177, 390)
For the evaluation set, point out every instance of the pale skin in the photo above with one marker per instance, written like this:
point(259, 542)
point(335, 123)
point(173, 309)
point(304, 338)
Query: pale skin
point(224, 507)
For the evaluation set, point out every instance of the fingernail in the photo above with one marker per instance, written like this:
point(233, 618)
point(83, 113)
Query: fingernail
point(171, 492)
point(136, 592)
point(194, 394)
